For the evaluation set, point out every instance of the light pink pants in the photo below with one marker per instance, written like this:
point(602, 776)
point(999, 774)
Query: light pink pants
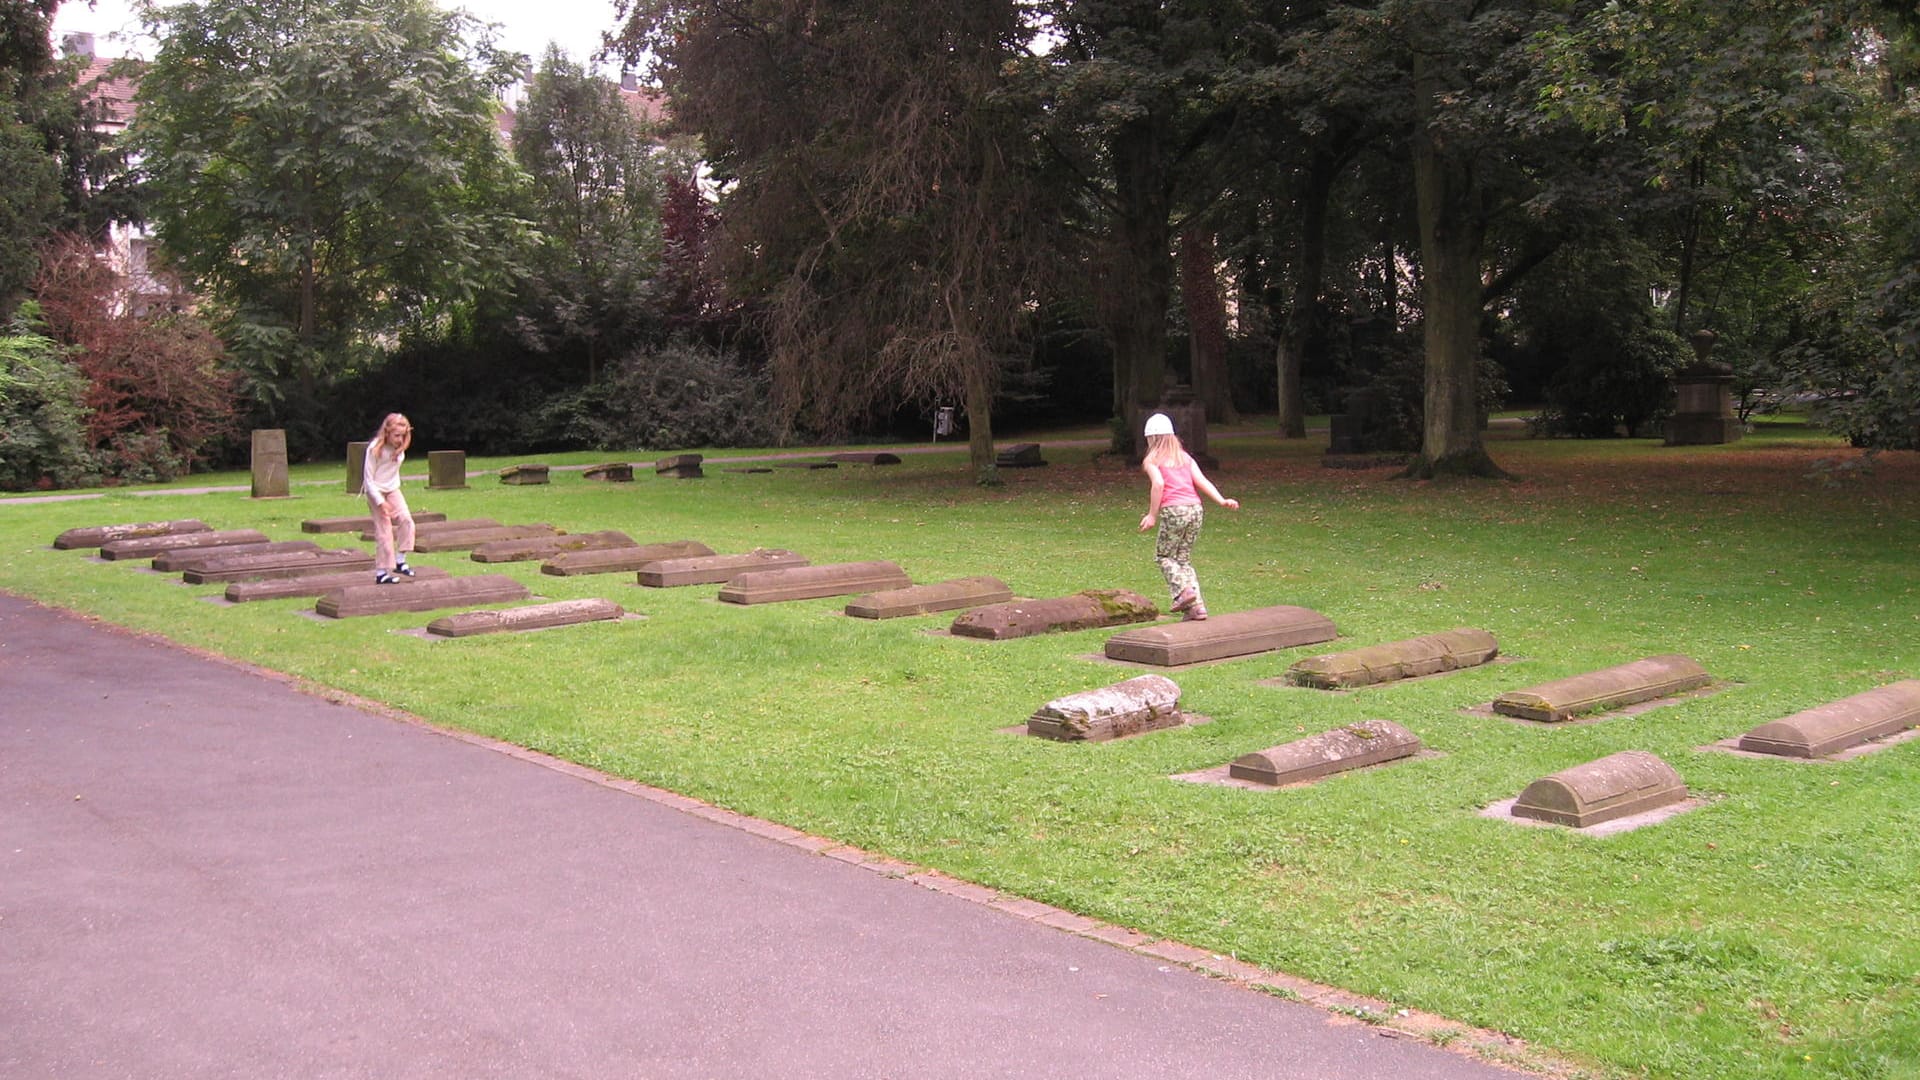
point(392, 537)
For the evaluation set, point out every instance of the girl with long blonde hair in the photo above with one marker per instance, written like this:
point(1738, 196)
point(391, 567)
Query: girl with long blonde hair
point(1173, 502)
point(392, 520)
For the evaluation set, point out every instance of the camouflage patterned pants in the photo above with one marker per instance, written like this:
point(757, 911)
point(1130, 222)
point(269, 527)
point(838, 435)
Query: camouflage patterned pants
point(1173, 547)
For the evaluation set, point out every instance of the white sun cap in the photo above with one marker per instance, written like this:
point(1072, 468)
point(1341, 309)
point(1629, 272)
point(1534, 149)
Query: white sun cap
point(1159, 424)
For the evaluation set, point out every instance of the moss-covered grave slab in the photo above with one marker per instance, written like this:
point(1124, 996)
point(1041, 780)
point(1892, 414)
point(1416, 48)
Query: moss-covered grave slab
point(364, 523)
point(1225, 635)
point(93, 536)
point(812, 582)
point(468, 539)
point(241, 592)
point(147, 547)
point(1141, 704)
point(714, 569)
point(275, 565)
point(951, 595)
point(1089, 609)
point(422, 529)
point(621, 560)
point(430, 594)
point(546, 547)
point(1616, 786)
point(1354, 746)
point(1597, 691)
point(180, 560)
point(1412, 658)
point(531, 617)
point(1839, 725)
point(524, 473)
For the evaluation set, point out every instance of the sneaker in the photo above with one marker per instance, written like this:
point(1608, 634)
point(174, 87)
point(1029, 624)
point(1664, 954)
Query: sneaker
point(403, 569)
point(382, 577)
point(1197, 612)
point(1185, 599)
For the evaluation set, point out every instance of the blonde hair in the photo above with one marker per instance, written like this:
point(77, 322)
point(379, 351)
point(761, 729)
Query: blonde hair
point(380, 436)
point(1164, 450)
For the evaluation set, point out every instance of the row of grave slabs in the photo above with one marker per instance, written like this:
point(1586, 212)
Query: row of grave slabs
point(1612, 794)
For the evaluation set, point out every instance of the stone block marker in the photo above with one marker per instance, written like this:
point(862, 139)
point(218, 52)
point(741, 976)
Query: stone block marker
point(418, 595)
point(812, 582)
point(613, 472)
point(545, 547)
point(357, 468)
point(1449, 650)
point(147, 547)
point(952, 595)
point(1839, 725)
point(866, 457)
point(620, 560)
point(1234, 633)
point(241, 592)
point(1146, 703)
point(180, 560)
point(446, 470)
point(680, 467)
point(364, 523)
point(1024, 455)
point(279, 565)
point(1355, 746)
point(93, 536)
point(434, 528)
point(1091, 609)
point(714, 569)
point(468, 539)
point(1610, 688)
point(532, 617)
point(269, 463)
point(528, 473)
point(1616, 786)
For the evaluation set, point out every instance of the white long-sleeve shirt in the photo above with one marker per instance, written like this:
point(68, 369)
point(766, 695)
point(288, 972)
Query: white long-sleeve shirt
point(381, 475)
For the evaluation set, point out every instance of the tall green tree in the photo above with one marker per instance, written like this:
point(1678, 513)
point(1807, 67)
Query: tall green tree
point(327, 170)
point(29, 173)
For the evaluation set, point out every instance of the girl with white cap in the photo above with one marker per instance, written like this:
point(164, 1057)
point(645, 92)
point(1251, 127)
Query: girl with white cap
point(1174, 502)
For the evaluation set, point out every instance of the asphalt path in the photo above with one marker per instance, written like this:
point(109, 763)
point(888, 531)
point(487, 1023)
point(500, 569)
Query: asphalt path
point(205, 872)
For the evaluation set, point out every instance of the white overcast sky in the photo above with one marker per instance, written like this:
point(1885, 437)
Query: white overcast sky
point(524, 25)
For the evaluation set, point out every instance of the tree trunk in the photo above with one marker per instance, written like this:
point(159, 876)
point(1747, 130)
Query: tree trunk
point(1206, 326)
point(1309, 276)
point(1142, 275)
point(979, 392)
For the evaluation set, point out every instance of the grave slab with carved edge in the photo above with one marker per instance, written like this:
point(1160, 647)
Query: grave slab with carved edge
point(1412, 658)
point(418, 595)
point(1355, 746)
point(147, 547)
point(1616, 786)
point(714, 569)
point(468, 539)
point(866, 457)
point(284, 565)
point(241, 592)
point(952, 595)
point(1089, 609)
point(182, 559)
point(546, 547)
point(93, 536)
point(1019, 456)
point(813, 582)
point(1140, 704)
point(613, 472)
point(422, 529)
point(1226, 635)
point(621, 560)
point(1610, 688)
point(810, 465)
point(364, 523)
point(1839, 725)
point(680, 467)
point(532, 617)
point(524, 473)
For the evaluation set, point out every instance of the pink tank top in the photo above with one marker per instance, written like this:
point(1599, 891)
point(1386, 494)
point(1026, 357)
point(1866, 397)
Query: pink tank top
point(1177, 486)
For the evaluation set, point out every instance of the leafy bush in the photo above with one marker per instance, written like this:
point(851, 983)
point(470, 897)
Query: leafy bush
point(1614, 382)
point(43, 430)
point(674, 396)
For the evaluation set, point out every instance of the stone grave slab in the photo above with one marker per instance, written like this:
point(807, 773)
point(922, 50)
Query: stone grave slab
point(435, 528)
point(468, 539)
point(807, 464)
point(1141, 704)
point(1024, 455)
point(620, 559)
point(751, 469)
point(545, 547)
point(1090, 609)
point(1609, 688)
point(241, 592)
point(446, 470)
point(866, 457)
point(1354, 746)
point(147, 547)
point(526, 473)
point(1839, 725)
point(418, 595)
point(180, 560)
point(93, 536)
point(1449, 650)
point(364, 523)
point(812, 582)
point(532, 617)
point(1615, 786)
point(680, 467)
point(952, 595)
point(714, 569)
point(278, 565)
point(1226, 635)
point(613, 472)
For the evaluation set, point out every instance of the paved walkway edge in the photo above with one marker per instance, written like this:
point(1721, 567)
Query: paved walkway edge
point(1391, 1021)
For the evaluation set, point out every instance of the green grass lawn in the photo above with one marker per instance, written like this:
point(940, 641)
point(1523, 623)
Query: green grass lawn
point(1769, 934)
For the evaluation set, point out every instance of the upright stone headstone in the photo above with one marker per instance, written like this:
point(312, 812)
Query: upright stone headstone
point(446, 469)
point(1189, 422)
point(270, 463)
point(357, 469)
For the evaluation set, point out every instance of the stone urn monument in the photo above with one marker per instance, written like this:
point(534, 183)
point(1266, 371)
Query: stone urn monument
point(1703, 400)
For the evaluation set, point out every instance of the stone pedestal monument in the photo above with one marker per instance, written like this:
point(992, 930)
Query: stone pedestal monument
point(1703, 400)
